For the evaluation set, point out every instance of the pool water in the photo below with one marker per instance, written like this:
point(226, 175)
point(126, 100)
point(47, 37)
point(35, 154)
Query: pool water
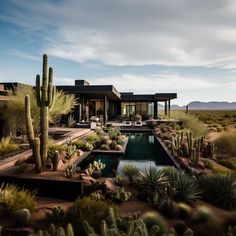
point(143, 150)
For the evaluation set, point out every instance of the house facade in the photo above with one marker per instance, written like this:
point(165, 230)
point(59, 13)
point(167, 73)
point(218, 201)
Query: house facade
point(105, 101)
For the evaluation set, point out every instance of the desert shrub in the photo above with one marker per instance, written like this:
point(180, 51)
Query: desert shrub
point(6, 146)
point(52, 147)
point(22, 168)
point(219, 189)
point(13, 198)
point(185, 186)
point(168, 208)
point(190, 122)
point(226, 145)
point(203, 214)
point(83, 145)
point(56, 214)
point(219, 129)
point(153, 218)
point(92, 138)
point(93, 211)
point(221, 170)
point(229, 163)
point(208, 163)
point(184, 211)
point(153, 181)
point(114, 132)
point(130, 171)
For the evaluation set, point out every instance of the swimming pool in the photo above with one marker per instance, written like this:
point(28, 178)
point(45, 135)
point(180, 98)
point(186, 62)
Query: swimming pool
point(143, 150)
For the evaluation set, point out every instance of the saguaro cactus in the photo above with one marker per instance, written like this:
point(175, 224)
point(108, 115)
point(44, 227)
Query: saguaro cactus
point(45, 99)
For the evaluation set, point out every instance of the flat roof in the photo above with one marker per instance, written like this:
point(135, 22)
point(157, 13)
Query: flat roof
point(148, 97)
point(93, 91)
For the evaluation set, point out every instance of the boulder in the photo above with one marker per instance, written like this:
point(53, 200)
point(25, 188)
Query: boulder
point(88, 180)
point(110, 185)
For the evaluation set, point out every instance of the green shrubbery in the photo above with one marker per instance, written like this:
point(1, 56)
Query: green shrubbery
point(93, 211)
point(185, 187)
point(219, 189)
point(12, 199)
point(6, 146)
point(226, 145)
point(83, 145)
point(190, 122)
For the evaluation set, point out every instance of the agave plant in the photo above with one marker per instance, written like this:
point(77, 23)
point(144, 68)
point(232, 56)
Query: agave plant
point(219, 190)
point(153, 181)
point(130, 171)
point(185, 186)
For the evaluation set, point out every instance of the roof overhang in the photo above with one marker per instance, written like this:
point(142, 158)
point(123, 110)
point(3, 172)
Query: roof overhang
point(93, 91)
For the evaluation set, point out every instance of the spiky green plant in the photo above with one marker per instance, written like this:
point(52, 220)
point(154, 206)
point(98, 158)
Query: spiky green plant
point(186, 188)
point(56, 214)
point(130, 171)
point(153, 180)
point(219, 190)
point(69, 171)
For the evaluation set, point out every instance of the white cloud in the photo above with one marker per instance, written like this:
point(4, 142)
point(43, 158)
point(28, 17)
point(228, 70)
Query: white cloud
point(151, 83)
point(24, 55)
point(135, 32)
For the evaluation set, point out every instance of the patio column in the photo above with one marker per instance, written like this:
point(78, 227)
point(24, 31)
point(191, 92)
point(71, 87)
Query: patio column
point(82, 109)
point(105, 110)
point(169, 108)
point(165, 108)
point(155, 109)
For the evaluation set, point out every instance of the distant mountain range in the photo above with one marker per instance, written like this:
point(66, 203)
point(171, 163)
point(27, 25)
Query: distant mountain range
point(196, 105)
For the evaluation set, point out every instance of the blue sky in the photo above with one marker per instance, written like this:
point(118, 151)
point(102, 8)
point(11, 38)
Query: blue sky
point(183, 46)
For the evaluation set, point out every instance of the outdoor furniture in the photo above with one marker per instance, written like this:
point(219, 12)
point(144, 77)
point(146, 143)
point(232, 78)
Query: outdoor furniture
point(138, 123)
point(93, 125)
point(128, 123)
point(94, 119)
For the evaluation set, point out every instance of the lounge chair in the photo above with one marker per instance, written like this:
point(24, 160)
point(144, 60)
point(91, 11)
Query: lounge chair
point(127, 123)
point(138, 123)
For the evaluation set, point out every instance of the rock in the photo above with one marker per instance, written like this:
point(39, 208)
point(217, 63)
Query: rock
point(60, 165)
point(17, 231)
point(110, 186)
point(88, 180)
point(201, 165)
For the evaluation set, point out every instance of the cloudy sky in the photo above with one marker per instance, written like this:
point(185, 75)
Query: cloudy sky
point(183, 46)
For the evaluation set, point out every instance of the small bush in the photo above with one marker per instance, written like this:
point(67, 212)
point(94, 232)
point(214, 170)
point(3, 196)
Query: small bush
point(203, 214)
point(130, 171)
point(208, 163)
point(184, 211)
point(6, 146)
point(229, 163)
point(93, 211)
point(153, 180)
point(217, 169)
point(190, 122)
point(13, 198)
point(186, 189)
point(219, 189)
point(226, 145)
point(52, 147)
point(153, 218)
point(92, 138)
point(83, 145)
